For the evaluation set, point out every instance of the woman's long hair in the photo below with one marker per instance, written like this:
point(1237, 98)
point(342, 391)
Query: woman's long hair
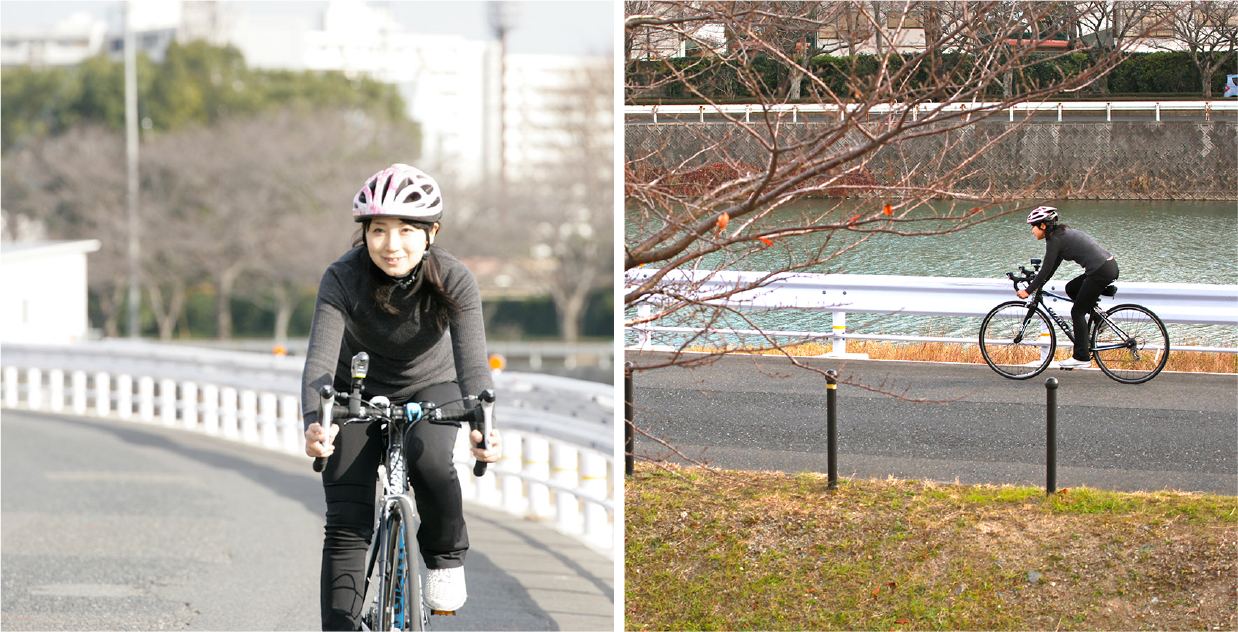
point(1054, 227)
point(434, 303)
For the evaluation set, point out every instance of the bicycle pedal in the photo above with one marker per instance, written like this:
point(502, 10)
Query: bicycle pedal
point(450, 613)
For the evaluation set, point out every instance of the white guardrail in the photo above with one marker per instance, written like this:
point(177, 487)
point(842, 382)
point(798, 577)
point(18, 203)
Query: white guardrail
point(1181, 303)
point(558, 433)
point(1061, 108)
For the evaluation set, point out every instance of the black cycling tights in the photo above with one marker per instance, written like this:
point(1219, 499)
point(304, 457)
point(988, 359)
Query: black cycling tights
point(350, 480)
point(1085, 291)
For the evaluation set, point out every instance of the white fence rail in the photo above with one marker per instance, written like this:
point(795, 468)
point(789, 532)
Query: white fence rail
point(1182, 303)
point(1061, 108)
point(558, 433)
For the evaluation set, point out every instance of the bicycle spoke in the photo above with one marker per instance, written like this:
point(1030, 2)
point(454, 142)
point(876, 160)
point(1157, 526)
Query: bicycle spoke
point(1015, 345)
point(1131, 345)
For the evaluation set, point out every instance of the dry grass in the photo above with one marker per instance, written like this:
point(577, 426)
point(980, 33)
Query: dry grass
point(1187, 361)
point(747, 550)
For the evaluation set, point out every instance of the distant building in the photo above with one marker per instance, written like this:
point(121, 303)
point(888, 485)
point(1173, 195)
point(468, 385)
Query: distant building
point(44, 287)
point(68, 42)
point(450, 84)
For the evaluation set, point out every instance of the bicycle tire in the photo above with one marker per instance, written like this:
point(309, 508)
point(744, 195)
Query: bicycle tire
point(1146, 342)
point(1012, 347)
point(399, 603)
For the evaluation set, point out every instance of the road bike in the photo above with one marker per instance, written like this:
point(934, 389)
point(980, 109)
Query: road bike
point(1017, 339)
point(394, 598)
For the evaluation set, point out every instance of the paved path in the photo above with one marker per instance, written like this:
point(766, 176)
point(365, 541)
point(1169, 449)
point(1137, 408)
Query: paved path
point(1178, 431)
point(119, 525)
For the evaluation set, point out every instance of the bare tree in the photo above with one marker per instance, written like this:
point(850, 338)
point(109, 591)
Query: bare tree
point(74, 185)
point(1207, 30)
point(564, 202)
point(898, 155)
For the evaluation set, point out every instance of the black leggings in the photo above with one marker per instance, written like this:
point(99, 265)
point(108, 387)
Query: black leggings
point(1085, 291)
point(350, 481)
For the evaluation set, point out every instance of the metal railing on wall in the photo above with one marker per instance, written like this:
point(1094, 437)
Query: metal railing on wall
point(840, 294)
point(1062, 109)
point(558, 433)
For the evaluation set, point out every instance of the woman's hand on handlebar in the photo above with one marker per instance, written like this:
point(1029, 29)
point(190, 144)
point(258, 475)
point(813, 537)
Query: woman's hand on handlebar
point(493, 450)
point(1022, 294)
point(314, 438)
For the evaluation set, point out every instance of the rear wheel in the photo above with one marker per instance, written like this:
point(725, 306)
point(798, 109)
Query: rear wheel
point(1016, 342)
point(1133, 346)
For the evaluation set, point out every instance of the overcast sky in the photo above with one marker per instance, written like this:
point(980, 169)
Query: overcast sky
point(564, 27)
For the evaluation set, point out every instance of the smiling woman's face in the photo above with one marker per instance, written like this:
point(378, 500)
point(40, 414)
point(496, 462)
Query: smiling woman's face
point(395, 245)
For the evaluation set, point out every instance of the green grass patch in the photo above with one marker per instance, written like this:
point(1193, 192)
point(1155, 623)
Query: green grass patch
point(738, 550)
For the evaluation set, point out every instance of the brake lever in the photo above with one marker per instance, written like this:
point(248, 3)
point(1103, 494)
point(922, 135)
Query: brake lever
point(326, 407)
point(486, 398)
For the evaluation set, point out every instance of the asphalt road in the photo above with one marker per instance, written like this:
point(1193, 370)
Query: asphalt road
point(1179, 431)
point(111, 525)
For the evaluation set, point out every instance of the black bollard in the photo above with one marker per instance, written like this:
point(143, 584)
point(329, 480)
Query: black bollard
point(629, 411)
point(1051, 438)
point(831, 428)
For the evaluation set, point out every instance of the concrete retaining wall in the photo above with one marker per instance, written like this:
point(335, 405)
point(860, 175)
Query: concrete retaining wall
point(1120, 160)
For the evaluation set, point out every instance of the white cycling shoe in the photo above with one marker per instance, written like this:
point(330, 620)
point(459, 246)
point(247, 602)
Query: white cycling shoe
point(1071, 363)
point(445, 589)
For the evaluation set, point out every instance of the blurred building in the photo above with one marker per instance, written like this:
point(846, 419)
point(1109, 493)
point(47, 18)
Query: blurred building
point(450, 84)
point(30, 313)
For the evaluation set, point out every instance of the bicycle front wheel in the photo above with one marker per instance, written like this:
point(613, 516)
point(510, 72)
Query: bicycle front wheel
point(1133, 346)
point(399, 601)
point(1016, 342)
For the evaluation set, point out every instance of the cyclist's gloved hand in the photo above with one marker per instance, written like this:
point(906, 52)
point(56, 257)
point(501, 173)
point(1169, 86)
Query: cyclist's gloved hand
point(314, 436)
point(494, 448)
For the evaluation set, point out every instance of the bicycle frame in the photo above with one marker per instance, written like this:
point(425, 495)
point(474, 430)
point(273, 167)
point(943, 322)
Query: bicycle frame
point(1067, 328)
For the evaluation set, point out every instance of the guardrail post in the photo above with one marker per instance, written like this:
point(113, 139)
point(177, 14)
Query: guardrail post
point(189, 404)
point(831, 429)
point(512, 487)
point(79, 392)
point(10, 387)
point(228, 407)
point(249, 416)
point(167, 402)
point(629, 421)
point(644, 311)
point(55, 379)
point(1108, 112)
point(566, 472)
point(146, 398)
point(1059, 112)
point(34, 389)
point(1158, 112)
point(210, 409)
point(1051, 438)
point(268, 418)
point(840, 327)
point(124, 395)
point(593, 484)
point(537, 466)
point(290, 410)
point(103, 394)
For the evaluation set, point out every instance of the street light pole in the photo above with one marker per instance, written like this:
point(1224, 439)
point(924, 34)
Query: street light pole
point(131, 154)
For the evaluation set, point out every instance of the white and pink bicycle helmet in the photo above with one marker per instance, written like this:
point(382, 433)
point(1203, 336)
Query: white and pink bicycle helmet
point(399, 191)
point(1046, 214)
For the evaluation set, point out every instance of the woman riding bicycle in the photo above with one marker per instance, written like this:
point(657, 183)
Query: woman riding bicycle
point(416, 310)
point(1100, 269)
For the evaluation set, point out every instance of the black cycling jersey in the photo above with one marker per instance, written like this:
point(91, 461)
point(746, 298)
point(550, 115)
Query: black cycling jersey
point(1071, 245)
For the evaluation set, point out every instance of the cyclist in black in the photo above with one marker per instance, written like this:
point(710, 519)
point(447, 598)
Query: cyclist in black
point(416, 310)
point(1100, 269)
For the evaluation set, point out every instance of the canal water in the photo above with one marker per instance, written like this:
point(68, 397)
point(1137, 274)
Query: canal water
point(1153, 241)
